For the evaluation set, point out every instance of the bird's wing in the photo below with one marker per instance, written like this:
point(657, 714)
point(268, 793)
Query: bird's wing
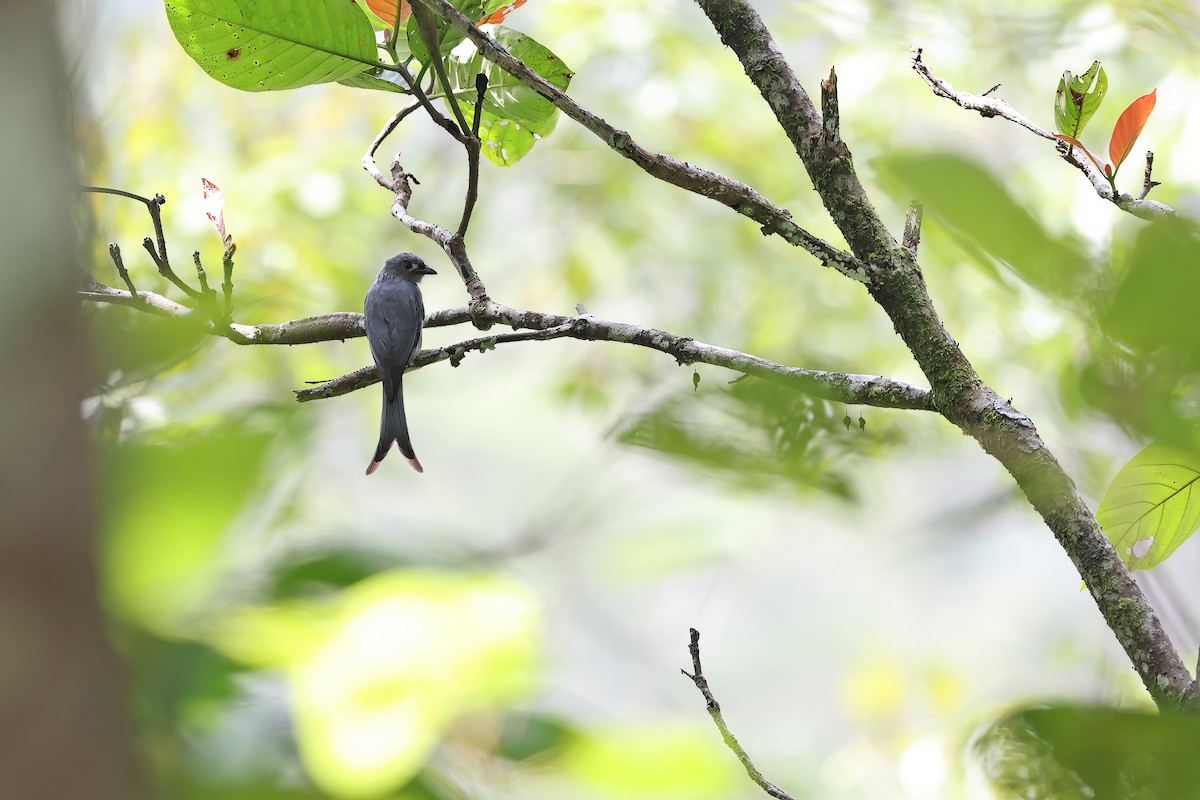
point(394, 315)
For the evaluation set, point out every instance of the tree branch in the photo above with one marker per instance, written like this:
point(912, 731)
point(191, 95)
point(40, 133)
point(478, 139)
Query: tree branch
point(337, 326)
point(959, 394)
point(473, 150)
point(368, 159)
point(992, 107)
point(737, 196)
point(427, 28)
point(714, 711)
point(867, 390)
point(849, 388)
point(1148, 183)
point(450, 242)
point(912, 226)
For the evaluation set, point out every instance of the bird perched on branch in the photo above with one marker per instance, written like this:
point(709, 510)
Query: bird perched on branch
point(394, 315)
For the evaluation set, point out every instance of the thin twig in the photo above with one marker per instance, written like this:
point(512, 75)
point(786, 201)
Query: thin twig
point(208, 297)
point(912, 226)
point(1148, 183)
point(117, 192)
point(114, 252)
point(227, 285)
point(337, 326)
point(155, 208)
point(830, 120)
point(368, 159)
point(201, 276)
point(156, 247)
point(992, 107)
point(714, 711)
point(473, 151)
point(481, 85)
point(427, 27)
point(451, 243)
point(423, 98)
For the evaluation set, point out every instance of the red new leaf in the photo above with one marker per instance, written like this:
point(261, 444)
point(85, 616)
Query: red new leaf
point(1129, 125)
point(496, 17)
point(393, 12)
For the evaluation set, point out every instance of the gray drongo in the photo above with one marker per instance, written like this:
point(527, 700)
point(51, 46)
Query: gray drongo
point(394, 315)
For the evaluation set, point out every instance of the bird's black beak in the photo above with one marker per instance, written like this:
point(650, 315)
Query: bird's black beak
point(425, 269)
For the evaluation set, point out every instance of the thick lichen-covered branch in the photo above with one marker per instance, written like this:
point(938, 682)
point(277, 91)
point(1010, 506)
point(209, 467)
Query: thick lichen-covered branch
point(959, 393)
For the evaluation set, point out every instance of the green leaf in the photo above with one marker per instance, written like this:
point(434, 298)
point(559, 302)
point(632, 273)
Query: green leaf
point(448, 37)
point(378, 79)
point(1153, 310)
point(756, 434)
point(989, 222)
point(505, 142)
point(514, 116)
point(506, 97)
point(1077, 99)
point(260, 45)
point(525, 735)
point(1152, 505)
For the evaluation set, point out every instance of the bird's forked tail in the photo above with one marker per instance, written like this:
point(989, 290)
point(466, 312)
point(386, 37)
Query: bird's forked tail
point(393, 427)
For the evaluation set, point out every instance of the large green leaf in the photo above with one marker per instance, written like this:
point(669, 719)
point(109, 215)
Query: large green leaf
point(1152, 505)
point(1082, 753)
point(504, 142)
point(1077, 99)
point(259, 45)
point(506, 97)
point(1144, 373)
point(989, 222)
point(514, 116)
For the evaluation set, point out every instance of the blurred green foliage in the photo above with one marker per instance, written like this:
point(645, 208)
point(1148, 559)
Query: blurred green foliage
point(1077, 752)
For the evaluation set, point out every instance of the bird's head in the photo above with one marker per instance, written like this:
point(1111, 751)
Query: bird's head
point(406, 266)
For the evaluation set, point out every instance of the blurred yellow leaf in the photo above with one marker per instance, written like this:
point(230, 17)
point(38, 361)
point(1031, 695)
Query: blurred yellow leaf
point(655, 761)
point(874, 690)
point(380, 671)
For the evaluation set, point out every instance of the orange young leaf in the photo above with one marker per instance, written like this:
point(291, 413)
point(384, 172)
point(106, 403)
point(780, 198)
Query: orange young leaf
point(1129, 125)
point(496, 17)
point(1086, 152)
point(393, 12)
